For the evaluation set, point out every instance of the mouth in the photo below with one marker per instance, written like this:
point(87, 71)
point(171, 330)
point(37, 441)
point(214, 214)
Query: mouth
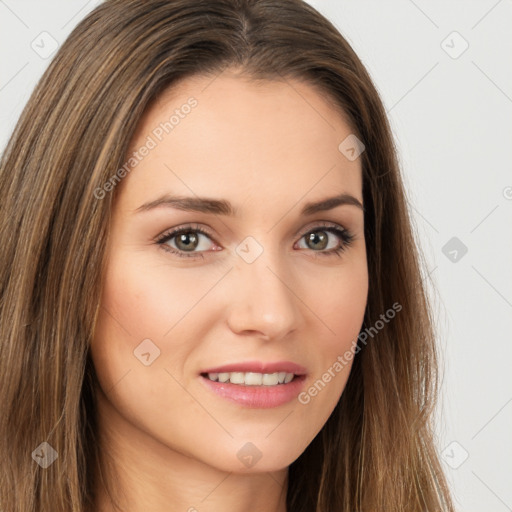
point(256, 384)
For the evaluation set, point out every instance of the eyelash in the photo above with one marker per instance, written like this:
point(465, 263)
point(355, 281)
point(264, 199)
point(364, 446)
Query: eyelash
point(344, 234)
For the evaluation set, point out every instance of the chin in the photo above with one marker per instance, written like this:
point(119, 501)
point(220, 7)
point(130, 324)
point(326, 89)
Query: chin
point(252, 457)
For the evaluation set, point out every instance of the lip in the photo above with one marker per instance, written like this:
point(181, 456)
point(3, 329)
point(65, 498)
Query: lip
point(257, 397)
point(259, 367)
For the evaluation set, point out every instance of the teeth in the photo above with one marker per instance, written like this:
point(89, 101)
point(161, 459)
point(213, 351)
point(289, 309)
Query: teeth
point(270, 379)
point(252, 379)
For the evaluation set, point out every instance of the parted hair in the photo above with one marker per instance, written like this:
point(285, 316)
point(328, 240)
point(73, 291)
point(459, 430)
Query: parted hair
point(377, 450)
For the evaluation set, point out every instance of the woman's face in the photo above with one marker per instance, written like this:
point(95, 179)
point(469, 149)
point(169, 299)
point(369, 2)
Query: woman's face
point(260, 289)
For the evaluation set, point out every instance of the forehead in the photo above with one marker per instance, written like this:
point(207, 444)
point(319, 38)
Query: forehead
point(229, 136)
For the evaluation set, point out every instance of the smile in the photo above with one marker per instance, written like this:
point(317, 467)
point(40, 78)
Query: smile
point(251, 378)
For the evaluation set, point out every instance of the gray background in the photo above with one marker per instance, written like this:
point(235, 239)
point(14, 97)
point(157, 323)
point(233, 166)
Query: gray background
point(450, 108)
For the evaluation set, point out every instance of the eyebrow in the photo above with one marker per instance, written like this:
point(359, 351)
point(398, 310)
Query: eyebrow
point(223, 207)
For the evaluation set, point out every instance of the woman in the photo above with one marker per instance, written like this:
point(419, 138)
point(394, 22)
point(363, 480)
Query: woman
point(211, 294)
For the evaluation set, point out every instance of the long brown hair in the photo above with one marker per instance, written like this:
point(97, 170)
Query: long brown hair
point(376, 452)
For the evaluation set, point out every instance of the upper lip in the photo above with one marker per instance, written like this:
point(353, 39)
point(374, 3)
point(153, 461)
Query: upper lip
point(259, 367)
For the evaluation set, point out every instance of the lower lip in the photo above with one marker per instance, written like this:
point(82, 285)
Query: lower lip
point(262, 397)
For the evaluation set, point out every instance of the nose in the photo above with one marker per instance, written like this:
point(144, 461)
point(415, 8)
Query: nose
point(263, 299)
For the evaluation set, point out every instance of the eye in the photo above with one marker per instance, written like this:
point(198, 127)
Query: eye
point(317, 239)
point(187, 241)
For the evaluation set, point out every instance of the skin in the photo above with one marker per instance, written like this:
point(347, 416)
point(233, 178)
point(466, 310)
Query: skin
point(268, 148)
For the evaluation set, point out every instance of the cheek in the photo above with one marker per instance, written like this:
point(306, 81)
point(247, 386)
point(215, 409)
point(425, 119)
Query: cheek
point(340, 304)
point(147, 309)
point(141, 301)
point(148, 300)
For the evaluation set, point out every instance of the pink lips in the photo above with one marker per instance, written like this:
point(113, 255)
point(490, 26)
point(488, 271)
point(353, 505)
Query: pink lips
point(261, 397)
